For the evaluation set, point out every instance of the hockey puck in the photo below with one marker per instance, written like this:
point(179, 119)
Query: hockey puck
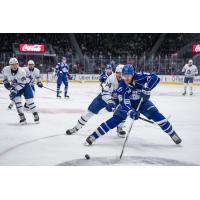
point(87, 156)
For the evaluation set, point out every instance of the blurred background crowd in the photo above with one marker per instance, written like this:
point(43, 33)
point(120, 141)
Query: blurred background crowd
point(88, 53)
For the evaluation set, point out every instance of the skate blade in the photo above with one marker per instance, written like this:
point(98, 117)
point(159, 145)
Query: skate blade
point(69, 134)
point(86, 144)
point(121, 136)
point(37, 122)
point(23, 123)
point(177, 142)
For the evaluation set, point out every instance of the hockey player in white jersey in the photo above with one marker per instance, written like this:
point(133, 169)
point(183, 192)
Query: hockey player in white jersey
point(32, 75)
point(107, 99)
point(189, 71)
point(14, 79)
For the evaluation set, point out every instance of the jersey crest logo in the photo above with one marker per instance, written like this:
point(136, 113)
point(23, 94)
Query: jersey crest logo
point(120, 89)
point(23, 78)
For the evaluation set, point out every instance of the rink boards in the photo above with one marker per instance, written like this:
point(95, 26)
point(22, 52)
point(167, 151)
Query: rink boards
point(92, 78)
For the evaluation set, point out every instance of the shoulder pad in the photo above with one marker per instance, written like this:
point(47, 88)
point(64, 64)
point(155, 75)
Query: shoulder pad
point(122, 86)
point(112, 77)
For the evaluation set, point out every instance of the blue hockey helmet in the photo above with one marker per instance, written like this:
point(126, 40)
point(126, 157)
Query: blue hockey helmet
point(128, 69)
point(108, 66)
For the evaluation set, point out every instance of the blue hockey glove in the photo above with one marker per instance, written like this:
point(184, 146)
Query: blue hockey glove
point(115, 94)
point(134, 114)
point(69, 76)
point(60, 74)
point(7, 86)
point(110, 106)
point(39, 84)
point(102, 78)
point(13, 94)
point(145, 94)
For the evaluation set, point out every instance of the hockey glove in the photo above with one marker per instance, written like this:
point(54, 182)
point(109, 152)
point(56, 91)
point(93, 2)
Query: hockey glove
point(102, 79)
point(7, 85)
point(110, 106)
point(145, 94)
point(115, 94)
point(134, 114)
point(60, 74)
point(39, 84)
point(13, 94)
point(69, 76)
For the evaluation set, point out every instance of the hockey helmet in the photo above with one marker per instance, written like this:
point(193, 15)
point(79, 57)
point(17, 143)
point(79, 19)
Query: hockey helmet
point(128, 69)
point(13, 61)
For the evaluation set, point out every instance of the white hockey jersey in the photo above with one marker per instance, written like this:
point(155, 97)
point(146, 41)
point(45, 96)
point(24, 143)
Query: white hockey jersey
point(109, 87)
point(17, 80)
point(190, 71)
point(32, 75)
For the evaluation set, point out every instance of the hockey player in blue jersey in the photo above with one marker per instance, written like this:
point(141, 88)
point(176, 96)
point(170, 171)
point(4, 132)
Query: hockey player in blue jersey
point(134, 87)
point(106, 73)
point(62, 73)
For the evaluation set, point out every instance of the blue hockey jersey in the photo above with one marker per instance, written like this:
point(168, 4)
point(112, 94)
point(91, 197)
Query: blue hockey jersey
point(129, 94)
point(103, 76)
point(62, 69)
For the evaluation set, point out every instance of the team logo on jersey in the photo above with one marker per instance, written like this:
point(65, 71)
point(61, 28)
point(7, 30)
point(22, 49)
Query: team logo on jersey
point(120, 89)
point(120, 98)
point(135, 95)
point(108, 84)
point(23, 78)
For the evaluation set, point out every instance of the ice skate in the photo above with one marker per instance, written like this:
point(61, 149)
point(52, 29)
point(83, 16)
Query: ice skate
point(89, 141)
point(66, 96)
point(10, 106)
point(22, 120)
point(120, 132)
point(176, 138)
point(71, 131)
point(36, 117)
point(184, 93)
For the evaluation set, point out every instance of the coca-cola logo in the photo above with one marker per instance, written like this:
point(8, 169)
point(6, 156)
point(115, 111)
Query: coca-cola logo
point(196, 48)
point(32, 47)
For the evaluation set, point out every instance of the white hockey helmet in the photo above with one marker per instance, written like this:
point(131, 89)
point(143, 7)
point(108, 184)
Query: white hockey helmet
point(31, 62)
point(13, 61)
point(64, 59)
point(119, 68)
point(190, 62)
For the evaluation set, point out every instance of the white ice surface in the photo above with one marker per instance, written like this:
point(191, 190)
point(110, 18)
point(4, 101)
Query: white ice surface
point(46, 144)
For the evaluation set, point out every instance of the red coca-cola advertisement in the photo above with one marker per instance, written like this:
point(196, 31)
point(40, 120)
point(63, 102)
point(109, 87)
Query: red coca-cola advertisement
point(196, 48)
point(40, 48)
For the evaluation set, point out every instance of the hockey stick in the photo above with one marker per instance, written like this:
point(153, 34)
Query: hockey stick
point(129, 130)
point(146, 120)
point(51, 89)
point(151, 122)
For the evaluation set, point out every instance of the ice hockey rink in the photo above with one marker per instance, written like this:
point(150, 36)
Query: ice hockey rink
point(46, 144)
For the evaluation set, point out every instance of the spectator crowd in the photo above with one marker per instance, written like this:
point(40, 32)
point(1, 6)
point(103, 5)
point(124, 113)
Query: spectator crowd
point(99, 48)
